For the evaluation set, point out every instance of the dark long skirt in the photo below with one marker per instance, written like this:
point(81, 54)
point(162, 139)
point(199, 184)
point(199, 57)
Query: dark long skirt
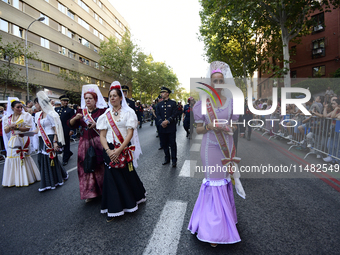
point(51, 176)
point(122, 190)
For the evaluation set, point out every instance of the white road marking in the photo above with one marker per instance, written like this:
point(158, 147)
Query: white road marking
point(72, 169)
point(187, 166)
point(166, 234)
point(195, 147)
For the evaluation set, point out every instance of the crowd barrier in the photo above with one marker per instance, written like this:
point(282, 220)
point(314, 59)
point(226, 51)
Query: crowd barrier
point(319, 136)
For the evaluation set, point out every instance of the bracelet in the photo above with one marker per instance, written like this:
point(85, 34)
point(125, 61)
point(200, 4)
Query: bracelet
point(107, 149)
point(55, 141)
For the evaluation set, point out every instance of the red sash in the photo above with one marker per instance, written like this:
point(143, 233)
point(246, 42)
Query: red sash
point(127, 151)
point(88, 119)
point(46, 140)
point(25, 149)
point(229, 159)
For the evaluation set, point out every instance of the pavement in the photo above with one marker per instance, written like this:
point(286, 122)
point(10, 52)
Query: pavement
point(283, 213)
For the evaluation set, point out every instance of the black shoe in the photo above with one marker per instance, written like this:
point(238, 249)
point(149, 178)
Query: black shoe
point(174, 164)
point(166, 162)
point(65, 163)
point(109, 219)
point(157, 135)
point(160, 148)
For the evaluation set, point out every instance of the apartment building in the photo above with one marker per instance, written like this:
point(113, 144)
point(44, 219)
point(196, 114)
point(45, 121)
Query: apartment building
point(68, 39)
point(318, 53)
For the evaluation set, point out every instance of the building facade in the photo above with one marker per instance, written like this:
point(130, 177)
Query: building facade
point(317, 55)
point(67, 41)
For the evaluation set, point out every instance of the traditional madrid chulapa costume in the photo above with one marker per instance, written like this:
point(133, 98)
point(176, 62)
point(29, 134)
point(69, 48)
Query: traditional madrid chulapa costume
point(52, 172)
point(90, 184)
point(19, 169)
point(214, 215)
point(122, 188)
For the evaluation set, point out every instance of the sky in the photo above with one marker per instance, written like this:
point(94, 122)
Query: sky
point(169, 31)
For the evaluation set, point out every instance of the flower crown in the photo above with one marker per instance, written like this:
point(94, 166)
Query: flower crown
point(115, 87)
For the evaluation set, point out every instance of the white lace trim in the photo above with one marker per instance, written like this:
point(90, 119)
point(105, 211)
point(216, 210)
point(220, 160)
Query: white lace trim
point(124, 210)
point(216, 182)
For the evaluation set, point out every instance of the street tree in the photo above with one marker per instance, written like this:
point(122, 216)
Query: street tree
point(12, 55)
point(117, 57)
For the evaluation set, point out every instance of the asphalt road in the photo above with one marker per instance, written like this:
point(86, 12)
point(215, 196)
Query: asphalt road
point(282, 214)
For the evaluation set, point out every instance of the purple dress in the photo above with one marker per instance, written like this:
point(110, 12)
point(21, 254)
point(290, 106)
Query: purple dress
point(214, 216)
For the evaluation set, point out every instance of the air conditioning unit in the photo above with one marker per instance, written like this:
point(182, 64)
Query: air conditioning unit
point(318, 28)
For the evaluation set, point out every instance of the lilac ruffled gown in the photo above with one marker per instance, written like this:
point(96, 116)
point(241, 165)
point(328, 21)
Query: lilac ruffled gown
point(214, 215)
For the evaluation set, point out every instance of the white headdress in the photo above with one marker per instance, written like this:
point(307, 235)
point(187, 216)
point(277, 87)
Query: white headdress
point(101, 104)
point(46, 107)
point(135, 138)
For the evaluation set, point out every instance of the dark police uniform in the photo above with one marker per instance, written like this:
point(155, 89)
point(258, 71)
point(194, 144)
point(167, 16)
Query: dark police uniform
point(180, 112)
point(167, 110)
point(129, 101)
point(65, 114)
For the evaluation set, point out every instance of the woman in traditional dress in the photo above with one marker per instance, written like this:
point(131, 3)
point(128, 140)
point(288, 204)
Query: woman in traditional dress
point(92, 106)
point(122, 189)
point(19, 169)
point(51, 137)
point(214, 215)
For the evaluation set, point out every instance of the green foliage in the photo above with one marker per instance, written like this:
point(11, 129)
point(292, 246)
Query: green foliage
point(10, 74)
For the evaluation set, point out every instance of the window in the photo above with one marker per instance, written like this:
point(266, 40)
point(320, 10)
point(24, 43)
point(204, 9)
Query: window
point(83, 5)
point(95, 49)
point(70, 14)
point(293, 50)
point(100, 4)
point(118, 36)
point(88, 79)
point(103, 68)
point(318, 48)
point(101, 37)
point(46, 20)
point(62, 71)
point(319, 71)
point(61, 8)
point(98, 83)
point(83, 23)
point(100, 20)
point(62, 29)
point(318, 21)
point(96, 16)
point(84, 60)
point(293, 74)
point(44, 43)
point(15, 3)
point(17, 31)
point(96, 65)
point(117, 21)
point(71, 54)
point(103, 84)
point(4, 25)
point(70, 34)
point(45, 66)
point(85, 42)
point(62, 50)
point(95, 32)
point(20, 60)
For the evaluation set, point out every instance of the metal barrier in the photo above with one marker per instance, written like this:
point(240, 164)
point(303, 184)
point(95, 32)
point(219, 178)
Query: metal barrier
point(321, 136)
point(146, 116)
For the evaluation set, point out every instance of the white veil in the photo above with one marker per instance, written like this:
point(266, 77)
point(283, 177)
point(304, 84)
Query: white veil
point(135, 138)
point(46, 106)
point(224, 69)
point(101, 104)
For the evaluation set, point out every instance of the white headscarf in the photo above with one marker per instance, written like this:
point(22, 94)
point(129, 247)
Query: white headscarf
point(101, 104)
point(46, 107)
point(135, 138)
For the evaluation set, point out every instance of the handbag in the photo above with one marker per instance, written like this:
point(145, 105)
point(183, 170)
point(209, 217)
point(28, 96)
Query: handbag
point(90, 160)
point(122, 159)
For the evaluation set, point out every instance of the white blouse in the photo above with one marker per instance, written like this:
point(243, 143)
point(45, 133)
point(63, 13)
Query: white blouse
point(127, 120)
point(47, 123)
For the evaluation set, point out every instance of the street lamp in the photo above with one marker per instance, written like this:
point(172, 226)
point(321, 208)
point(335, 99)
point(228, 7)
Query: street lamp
point(26, 62)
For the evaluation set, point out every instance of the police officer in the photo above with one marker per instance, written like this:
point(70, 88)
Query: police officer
point(65, 114)
point(180, 112)
point(139, 112)
point(166, 112)
point(128, 101)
